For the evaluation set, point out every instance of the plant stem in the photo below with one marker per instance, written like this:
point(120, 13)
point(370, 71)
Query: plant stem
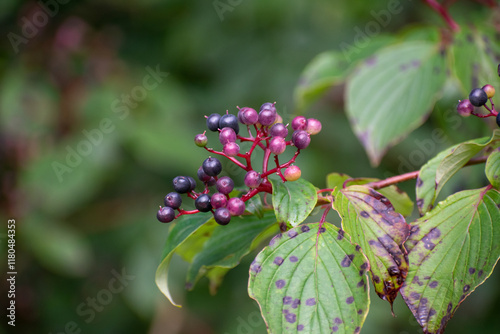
point(443, 12)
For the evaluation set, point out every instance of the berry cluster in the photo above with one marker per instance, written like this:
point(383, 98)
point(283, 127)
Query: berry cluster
point(265, 131)
point(479, 97)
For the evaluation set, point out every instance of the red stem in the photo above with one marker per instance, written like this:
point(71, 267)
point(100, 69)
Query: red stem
point(443, 12)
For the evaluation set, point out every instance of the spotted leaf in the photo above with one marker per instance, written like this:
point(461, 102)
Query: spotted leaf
point(369, 218)
point(392, 92)
point(452, 250)
point(437, 171)
point(293, 201)
point(311, 279)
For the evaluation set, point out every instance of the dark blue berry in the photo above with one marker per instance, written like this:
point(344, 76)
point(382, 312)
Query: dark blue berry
point(222, 216)
point(478, 97)
point(498, 119)
point(225, 185)
point(212, 166)
point(192, 183)
point(229, 121)
point(165, 214)
point(202, 203)
point(202, 176)
point(181, 184)
point(213, 122)
point(173, 200)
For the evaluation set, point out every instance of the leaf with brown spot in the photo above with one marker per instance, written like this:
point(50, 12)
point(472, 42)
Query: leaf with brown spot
point(310, 281)
point(452, 250)
point(492, 168)
point(437, 171)
point(369, 218)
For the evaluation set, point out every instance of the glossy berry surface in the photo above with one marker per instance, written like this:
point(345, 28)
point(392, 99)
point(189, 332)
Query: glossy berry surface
point(212, 166)
point(248, 116)
point(222, 216)
point(464, 108)
point(173, 200)
point(202, 203)
point(252, 179)
point(267, 105)
point(218, 200)
point(213, 122)
point(292, 173)
point(192, 183)
point(478, 97)
point(313, 126)
point(225, 185)
point(299, 123)
point(277, 145)
point(165, 214)
point(301, 139)
point(267, 117)
point(202, 176)
point(181, 184)
point(229, 121)
point(236, 206)
point(489, 90)
point(278, 130)
point(227, 135)
point(201, 140)
point(498, 119)
point(231, 149)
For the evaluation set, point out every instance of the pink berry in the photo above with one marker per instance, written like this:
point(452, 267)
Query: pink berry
point(231, 149)
point(313, 126)
point(292, 173)
point(218, 200)
point(236, 206)
point(299, 123)
point(277, 145)
point(227, 135)
point(464, 108)
point(252, 179)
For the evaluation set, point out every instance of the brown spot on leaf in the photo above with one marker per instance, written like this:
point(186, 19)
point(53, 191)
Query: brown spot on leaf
point(338, 321)
point(361, 283)
point(287, 300)
point(305, 228)
point(291, 317)
point(393, 271)
point(364, 214)
point(346, 262)
point(472, 270)
point(340, 236)
point(480, 273)
point(433, 284)
point(292, 234)
point(278, 260)
point(419, 182)
point(414, 295)
point(466, 288)
point(280, 283)
point(349, 300)
point(376, 279)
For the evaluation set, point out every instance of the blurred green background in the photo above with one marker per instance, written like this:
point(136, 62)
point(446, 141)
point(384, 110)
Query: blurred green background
point(63, 89)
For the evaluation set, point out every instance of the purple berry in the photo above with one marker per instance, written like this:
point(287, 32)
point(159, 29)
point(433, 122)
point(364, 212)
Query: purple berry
point(202, 176)
point(211, 182)
point(236, 206)
point(227, 135)
point(267, 117)
point(229, 121)
point(231, 149)
point(478, 97)
point(248, 116)
point(299, 123)
point(225, 185)
point(279, 130)
point(313, 126)
point(213, 122)
point(202, 203)
point(212, 166)
point(268, 105)
point(181, 184)
point(222, 216)
point(464, 108)
point(277, 145)
point(165, 214)
point(173, 200)
point(201, 140)
point(252, 179)
point(192, 183)
point(292, 173)
point(218, 200)
point(301, 139)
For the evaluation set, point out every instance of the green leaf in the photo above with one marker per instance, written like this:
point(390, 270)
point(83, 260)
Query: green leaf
point(452, 250)
point(293, 201)
point(184, 227)
point(475, 53)
point(492, 168)
point(330, 68)
point(437, 171)
point(398, 198)
point(311, 280)
point(369, 218)
point(228, 244)
point(391, 93)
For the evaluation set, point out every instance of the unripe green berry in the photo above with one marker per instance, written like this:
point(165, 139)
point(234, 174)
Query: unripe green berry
point(201, 140)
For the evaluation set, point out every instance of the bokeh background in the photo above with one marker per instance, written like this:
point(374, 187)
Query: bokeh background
point(70, 78)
